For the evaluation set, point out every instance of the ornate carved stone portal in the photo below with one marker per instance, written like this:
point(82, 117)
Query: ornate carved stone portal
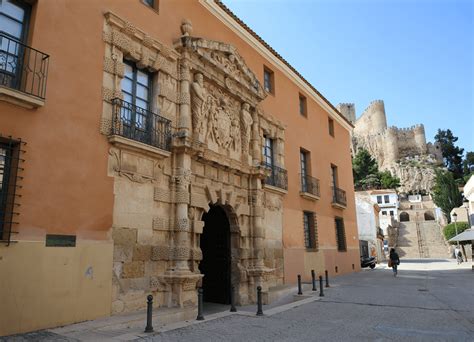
point(212, 99)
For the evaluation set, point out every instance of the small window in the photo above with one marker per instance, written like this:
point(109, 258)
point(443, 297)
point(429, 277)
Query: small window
point(302, 101)
point(151, 3)
point(386, 199)
point(331, 126)
point(340, 234)
point(391, 212)
point(384, 213)
point(268, 80)
point(379, 199)
point(268, 152)
point(310, 231)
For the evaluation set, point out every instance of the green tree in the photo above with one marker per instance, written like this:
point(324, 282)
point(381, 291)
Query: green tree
point(468, 163)
point(452, 154)
point(367, 175)
point(364, 168)
point(446, 194)
point(387, 181)
point(449, 231)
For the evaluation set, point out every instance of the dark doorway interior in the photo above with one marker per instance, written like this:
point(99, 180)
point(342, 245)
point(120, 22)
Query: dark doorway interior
point(215, 265)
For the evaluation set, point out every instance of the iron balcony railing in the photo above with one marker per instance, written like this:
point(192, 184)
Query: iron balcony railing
point(339, 196)
point(133, 122)
point(278, 177)
point(23, 68)
point(309, 185)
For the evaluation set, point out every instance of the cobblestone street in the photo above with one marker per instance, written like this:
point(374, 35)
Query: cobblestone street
point(430, 300)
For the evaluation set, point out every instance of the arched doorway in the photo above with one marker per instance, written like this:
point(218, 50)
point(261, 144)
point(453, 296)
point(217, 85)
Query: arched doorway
point(216, 256)
point(404, 217)
point(429, 216)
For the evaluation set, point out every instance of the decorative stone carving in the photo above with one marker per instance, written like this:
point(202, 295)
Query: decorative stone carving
point(246, 125)
point(161, 223)
point(220, 112)
point(197, 102)
point(186, 28)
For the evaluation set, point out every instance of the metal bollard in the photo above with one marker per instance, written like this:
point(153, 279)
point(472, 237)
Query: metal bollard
point(327, 278)
point(200, 317)
point(313, 280)
point(259, 301)
point(321, 292)
point(300, 291)
point(232, 299)
point(149, 314)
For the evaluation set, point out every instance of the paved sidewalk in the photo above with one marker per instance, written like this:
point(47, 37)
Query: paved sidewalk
point(430, 300)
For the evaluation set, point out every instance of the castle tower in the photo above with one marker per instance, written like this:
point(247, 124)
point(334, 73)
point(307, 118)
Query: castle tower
point(391, 145)
point(376, 110)
point(348, 110)
point(420, 138)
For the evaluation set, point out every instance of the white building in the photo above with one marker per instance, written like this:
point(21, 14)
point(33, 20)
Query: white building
point(368, 224)
point(469, 196)
point(388, 202)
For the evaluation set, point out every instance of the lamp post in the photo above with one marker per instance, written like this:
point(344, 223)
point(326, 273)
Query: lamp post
point(465, 204)
point(455, 218)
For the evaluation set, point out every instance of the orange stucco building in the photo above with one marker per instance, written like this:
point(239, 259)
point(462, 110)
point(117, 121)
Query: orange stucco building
point(134, 135)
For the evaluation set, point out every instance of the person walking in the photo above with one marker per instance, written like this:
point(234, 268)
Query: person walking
point(394, 261)
point(458, 254)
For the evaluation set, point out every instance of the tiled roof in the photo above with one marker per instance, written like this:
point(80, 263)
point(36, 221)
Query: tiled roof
point(276, 54)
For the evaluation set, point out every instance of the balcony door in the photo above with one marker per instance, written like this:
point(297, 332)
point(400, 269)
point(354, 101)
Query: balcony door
point(14, 18)
point(135, 112)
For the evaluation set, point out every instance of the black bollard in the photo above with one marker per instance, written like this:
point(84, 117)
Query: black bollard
point(259, 301)
point(149, 314)
point(300, 291)
point(200, 317)
point(232, 299)
point(321, 292)
point(327, 278)
point(313, 280)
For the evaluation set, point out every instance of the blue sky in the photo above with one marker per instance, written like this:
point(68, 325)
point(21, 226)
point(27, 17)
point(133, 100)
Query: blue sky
point(416, 55)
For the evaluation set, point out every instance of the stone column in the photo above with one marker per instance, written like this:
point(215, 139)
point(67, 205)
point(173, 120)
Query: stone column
point(255, 140)
point(182, 175)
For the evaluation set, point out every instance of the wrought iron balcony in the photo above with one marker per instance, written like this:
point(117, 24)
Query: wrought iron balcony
point(309, 185)
point(339, 197)
point(22, 68)
point(278, 177)
point(135, 123)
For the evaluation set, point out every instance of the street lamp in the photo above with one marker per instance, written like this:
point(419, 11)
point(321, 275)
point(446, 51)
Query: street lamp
point(465, 204)
point(455, 218)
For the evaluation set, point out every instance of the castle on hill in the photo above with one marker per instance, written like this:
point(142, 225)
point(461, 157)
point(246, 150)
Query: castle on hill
point(402, 151)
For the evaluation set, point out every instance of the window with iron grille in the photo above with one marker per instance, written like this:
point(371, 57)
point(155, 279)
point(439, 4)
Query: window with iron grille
point(340, 234)
point(310, 230)
point(9, 165)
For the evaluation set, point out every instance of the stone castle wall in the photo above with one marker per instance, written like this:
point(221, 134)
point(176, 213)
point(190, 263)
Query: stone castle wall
point(392, 147)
